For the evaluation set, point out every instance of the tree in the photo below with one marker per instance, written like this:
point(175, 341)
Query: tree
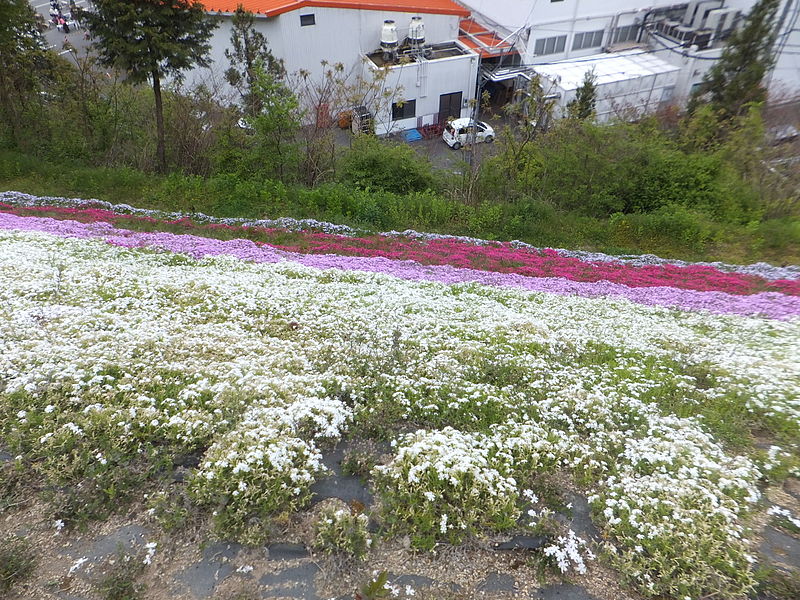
point(326, 97)
point(248, 46)
point(150, 39)
point(532, 114)
point(276, 153)
point(736, 79)
point(583, 105)
point(22, 51)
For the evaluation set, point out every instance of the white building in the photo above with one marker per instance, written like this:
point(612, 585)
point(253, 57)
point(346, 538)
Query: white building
point(436, 80)
point(629, 84)
point(689, 35)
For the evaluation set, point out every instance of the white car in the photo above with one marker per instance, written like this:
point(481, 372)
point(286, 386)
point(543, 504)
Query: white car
point(460, 132)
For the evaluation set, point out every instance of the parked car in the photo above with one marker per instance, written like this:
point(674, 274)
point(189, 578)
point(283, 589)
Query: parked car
point(460, 132)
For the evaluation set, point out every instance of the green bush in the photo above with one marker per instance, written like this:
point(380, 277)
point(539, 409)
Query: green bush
point(339, 530)
point(17, 561)
point(375, 164)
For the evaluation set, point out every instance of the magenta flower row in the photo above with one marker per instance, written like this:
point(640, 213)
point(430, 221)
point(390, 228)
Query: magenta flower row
point(502, 257)
point(768, 304)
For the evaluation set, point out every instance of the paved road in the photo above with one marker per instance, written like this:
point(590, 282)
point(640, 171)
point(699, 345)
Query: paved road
point(56, 39)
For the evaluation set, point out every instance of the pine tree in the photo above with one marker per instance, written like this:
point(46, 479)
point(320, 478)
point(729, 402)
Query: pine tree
point(22, 54)
point(150, 40)
point(736, 79)
point(248, 47)
point(582, 107)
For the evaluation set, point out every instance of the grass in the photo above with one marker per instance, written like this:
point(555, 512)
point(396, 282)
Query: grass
point(17, 561)
point(774, 584)
point(120, 580)
point(697, 237)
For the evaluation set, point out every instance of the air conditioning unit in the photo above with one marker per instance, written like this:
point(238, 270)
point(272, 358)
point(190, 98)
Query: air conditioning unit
point(691, 9)
point(683, 34)
point(720, 21)
point(702, 38)
point(702, 12)
point(667, 27)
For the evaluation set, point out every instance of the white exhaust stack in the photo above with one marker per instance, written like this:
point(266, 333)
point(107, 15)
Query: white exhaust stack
point(389, 41)
point(416, 32)
point(389, 36)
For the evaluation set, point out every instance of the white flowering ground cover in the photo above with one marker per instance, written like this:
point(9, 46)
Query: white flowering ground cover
point(117, 364)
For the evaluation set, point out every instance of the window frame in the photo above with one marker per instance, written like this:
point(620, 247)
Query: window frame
point(400, 110)
point(305, 18)
point(631, 33)
point(595, 39)
point(550, 45)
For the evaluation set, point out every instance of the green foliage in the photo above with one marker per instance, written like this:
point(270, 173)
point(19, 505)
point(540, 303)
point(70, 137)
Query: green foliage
point(150, 40)
point(373, 164)
point(340, 530)
point(248, 49)
point(24, 63)
point(778, 585)
point(736, 79)
point(375, 588)
point(275, 152)
point(582, 107)
point(622, 168)
point(17, 561)
point(120, 580)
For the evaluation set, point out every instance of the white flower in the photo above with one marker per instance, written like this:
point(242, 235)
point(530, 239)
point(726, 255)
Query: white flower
point(151, 551)
point(77, 565)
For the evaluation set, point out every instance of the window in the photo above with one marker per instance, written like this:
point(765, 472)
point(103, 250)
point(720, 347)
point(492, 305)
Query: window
point(551, 45)
point(404, 110)
point(306, 20)
point(588, 39)
point(626, 33)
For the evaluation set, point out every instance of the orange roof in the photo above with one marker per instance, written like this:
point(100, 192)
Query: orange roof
point(272, 8)
point(480, 39)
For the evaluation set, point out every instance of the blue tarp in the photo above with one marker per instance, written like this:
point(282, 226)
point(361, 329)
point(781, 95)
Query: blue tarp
point(412, 135)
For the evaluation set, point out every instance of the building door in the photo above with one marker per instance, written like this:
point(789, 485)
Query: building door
point(449, 106)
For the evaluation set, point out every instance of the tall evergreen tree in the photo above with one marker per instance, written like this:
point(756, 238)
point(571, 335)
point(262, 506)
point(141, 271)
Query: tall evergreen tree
point(736, 79)
point(150, 40)
point(248, 47)
point(22, 51)
point(582, 107)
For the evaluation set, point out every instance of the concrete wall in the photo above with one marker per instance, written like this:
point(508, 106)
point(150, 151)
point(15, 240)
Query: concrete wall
point(424, 82)
point(338, 35)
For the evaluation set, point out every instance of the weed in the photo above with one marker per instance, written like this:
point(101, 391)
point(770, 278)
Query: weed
point(120, 580)
point(17, 561)
point(778, 585)
point(342, 531)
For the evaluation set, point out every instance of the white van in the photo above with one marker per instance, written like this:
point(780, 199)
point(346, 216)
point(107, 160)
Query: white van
point(460, 132)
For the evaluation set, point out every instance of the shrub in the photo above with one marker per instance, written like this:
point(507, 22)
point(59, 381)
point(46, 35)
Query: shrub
point(374, 164)
point(339, 530)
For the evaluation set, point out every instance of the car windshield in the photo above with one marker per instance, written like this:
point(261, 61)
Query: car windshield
point(449, 128)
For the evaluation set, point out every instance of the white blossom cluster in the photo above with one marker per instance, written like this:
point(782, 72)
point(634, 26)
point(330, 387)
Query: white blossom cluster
point(569, 552)
point(23, 199)
point(108, 350)
point(784, 513)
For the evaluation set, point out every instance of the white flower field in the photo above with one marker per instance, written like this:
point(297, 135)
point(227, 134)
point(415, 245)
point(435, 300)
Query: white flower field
point(116, 364)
